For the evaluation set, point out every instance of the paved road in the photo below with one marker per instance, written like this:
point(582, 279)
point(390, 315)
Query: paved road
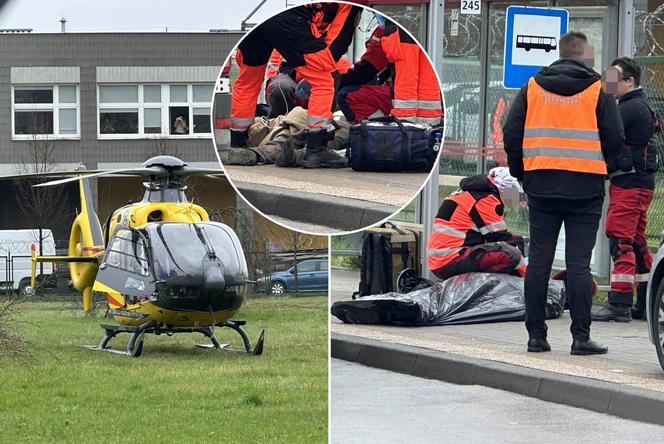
point(371, 405)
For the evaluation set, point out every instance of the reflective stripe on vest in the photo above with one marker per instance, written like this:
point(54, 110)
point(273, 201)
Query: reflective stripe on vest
point(437, 228)
point(561, 132)
point(442, 251)
point(492, 228)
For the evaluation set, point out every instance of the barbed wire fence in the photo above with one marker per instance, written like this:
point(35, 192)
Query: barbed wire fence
point(649, 42)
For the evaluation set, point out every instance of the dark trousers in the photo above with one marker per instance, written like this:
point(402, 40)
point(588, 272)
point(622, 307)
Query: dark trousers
point(581, 219)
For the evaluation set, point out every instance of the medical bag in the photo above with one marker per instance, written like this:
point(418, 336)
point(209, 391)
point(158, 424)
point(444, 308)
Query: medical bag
point(387, 144)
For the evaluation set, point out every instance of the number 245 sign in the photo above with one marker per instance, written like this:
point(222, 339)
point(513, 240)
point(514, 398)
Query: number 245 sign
point(471, 6)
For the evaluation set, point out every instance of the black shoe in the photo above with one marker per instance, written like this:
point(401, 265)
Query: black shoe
point(611, 313)
point(538, 345)
point(638, 312)
point(239, 138)
point(318, 155)
point(287, 155)
point(588, 347)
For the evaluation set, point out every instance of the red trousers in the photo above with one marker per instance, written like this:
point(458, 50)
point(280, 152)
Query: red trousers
point(358, 102)
point(417, 95)
point(626, 222)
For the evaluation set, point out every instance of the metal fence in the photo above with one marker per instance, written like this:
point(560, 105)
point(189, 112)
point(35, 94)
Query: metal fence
point(652, 81)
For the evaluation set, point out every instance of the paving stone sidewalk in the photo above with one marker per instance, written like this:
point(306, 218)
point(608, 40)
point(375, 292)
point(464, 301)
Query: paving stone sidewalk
point(631, 360)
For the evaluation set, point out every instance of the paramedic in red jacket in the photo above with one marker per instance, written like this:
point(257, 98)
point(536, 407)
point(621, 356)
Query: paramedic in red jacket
point(469, 233)
point(312, 38)
point(631, 192)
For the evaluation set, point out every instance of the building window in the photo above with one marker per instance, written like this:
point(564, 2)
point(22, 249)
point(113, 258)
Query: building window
point(51, 111)
point(154, 110)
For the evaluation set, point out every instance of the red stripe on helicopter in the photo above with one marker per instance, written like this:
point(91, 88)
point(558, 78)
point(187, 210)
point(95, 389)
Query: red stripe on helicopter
point(113, 301)
point(92, 249)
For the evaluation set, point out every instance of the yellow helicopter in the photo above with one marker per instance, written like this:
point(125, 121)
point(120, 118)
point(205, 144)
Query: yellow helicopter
point(160, 263)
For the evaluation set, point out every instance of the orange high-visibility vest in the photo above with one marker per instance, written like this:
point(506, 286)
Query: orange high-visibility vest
point(449, 237)
point(561, 132)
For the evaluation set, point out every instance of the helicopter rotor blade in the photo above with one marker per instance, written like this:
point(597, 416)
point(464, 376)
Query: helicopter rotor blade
point(48, 174)
point(194, 171)
point(143, 171)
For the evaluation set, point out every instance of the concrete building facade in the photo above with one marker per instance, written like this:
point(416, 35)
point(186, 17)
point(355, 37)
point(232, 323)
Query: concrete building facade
point(138, 78)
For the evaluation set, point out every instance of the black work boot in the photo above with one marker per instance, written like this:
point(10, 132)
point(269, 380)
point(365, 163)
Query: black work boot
point(287, 155)
point(588, 347)
point(638, 311)
point(537, 345)
point(611, 312)
point(318, 155)
point(239, 138)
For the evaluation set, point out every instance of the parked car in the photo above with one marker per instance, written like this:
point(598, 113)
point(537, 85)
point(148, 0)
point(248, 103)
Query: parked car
point(655, 304)
point(312, 275)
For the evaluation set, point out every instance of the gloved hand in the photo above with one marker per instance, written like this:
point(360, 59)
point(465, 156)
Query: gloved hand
point(624, 160)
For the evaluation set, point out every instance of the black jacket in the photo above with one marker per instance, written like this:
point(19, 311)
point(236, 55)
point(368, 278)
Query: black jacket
point(638, 122)
point(564, 77)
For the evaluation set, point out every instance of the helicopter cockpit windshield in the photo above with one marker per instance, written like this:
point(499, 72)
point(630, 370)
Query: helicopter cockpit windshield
point(180, 249)
point(182, 265)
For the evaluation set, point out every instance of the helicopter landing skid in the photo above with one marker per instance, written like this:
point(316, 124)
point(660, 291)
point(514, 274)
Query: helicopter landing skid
point(135, 345)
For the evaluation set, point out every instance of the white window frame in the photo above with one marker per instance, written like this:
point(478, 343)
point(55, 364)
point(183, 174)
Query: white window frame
point(164, 105)
point(54, 107)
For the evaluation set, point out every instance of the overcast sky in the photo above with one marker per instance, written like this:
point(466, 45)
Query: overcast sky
point(134, 15)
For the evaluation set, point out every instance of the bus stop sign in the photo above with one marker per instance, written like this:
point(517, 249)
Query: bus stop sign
point(531, 42)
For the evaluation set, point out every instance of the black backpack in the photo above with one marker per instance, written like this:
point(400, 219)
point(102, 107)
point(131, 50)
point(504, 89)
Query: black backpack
point(386, 251)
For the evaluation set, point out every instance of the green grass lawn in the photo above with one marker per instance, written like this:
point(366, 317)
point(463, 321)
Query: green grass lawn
point(173, 392)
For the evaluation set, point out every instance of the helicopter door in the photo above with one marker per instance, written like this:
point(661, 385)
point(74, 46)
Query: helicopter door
point(126, 267)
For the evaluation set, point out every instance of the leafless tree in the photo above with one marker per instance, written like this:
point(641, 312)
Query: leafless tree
point(43, 207)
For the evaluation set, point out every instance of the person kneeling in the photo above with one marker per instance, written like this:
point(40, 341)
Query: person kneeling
point(469, 232)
